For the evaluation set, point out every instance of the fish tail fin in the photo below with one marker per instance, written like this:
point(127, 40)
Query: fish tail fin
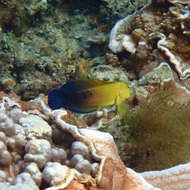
point(121, 107)
point(55, 99)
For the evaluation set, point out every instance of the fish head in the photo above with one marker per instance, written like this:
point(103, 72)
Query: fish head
point(55, 99)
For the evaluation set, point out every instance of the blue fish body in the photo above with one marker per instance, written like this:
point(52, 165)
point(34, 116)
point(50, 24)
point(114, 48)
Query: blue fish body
point(65, 97)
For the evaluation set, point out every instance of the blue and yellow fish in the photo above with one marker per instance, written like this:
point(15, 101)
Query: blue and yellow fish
point(83, 96)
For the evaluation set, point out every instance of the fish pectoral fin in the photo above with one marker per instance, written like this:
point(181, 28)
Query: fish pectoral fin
point(121, 106)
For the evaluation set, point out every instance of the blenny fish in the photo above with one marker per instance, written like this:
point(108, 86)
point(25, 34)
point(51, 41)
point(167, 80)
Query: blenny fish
point(84, 96)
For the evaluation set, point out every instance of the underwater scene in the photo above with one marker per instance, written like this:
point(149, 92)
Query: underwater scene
point(95, 95)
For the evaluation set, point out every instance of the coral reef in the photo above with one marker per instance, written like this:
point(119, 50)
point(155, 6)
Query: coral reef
point(125, 7)
point(26, 148)
point(156, 90)
point(33, 160)
point(156, 33)
point(168, 179)
point(153, 45)
point(35, 47)
point(42, 42)
point(74, 161)
point(162, 110)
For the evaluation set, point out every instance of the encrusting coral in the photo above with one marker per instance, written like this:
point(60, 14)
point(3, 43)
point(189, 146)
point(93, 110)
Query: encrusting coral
point(170, 179)
point(36, 161)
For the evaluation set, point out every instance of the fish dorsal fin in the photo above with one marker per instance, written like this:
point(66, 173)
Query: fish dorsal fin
point(78, 85)
point(98, 82)
point(85, 84)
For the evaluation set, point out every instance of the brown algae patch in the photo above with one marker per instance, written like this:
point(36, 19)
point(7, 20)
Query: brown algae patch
point(159, 132)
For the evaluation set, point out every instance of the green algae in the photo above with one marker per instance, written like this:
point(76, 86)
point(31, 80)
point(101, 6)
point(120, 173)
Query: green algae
point(155, 132)
point(121, 134)
point(124, 7)
point(45, 39)
point(159, 132)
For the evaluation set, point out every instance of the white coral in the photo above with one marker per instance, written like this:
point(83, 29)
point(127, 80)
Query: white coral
point(55, 173)
point(39, 154)
point(119, 40)
point(183, 72)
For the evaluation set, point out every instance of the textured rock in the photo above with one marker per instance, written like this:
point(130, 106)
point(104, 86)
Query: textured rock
point(35, 173)
point(79, 148)
point(37, 151)
point(35, 126)
point(24, 182)
point(55, 173)
point(100, 170)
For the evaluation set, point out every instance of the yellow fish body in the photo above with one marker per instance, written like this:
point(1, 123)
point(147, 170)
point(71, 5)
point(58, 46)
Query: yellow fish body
point(85, 96)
